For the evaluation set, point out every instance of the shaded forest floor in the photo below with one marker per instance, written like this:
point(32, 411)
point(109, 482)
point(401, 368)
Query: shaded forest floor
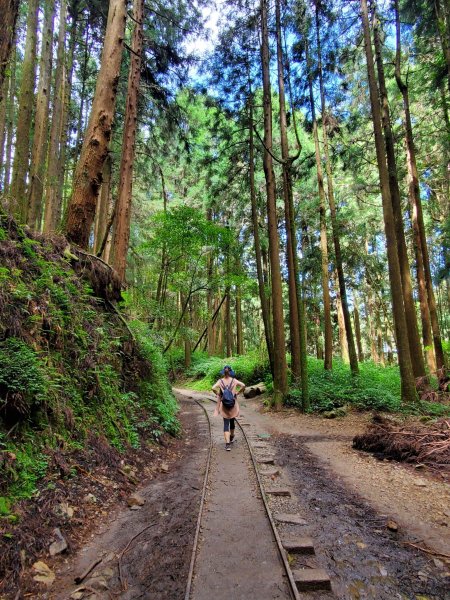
point(351, 501)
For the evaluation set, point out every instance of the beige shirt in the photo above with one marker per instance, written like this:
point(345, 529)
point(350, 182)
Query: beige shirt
point(220, 409)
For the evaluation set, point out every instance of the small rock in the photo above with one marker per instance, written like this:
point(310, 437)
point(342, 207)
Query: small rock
point(90, 499)
point(383, 571)
point(64, 509)
point(59, 545)
point(135, 507)
point(420, 483)
point(43, 573)
point(135, 500)
point(164, 467)
point(78, 594)
point(438, 563)
point(392, 525)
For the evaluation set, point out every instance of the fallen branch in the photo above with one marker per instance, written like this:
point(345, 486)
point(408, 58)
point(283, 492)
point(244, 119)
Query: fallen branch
point(86, 572)
point(121, 555)
point(432, 552)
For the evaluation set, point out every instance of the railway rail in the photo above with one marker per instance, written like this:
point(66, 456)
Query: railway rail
point(293, 591)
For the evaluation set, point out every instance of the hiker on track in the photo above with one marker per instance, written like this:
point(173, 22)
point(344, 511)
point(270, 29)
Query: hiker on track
point(227, 390)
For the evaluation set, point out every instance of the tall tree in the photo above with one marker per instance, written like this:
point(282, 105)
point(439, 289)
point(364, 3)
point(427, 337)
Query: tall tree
point(430, 321)
point(9, 10)
point(333, 213)
point(415, 349)
point(88, 172)
point(25, 115)
point(40, 139)
point(122, 231)
point(404, 358)
point(279, 352)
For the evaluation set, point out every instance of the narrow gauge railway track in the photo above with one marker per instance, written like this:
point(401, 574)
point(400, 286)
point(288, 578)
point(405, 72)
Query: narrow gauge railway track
point(281, 552)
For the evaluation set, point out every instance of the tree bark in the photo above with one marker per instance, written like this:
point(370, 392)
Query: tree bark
point(88, 172)
point(10, 126)
point(257, 242)
point(280, 383)
point(52, 214)
point(40, 140)
point(328, 330)
point(287, 192)
point(239, 332)
point(333, 214)
point(25, 115)
point(358, 331)
point(102, 212)
point(9, 9)
point(430, 324)
point(3, 125)
point(122, 232)
point(407, 378)
point(415, 348)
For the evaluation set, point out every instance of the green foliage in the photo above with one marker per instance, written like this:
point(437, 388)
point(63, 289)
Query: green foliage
point(22, 379)
point(205, 370)
point(376, 387)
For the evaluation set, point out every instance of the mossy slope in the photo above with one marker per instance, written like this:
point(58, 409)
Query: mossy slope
point(70, 370)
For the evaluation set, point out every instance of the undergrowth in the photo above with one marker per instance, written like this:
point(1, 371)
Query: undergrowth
point(375, 388)
point(70, 371)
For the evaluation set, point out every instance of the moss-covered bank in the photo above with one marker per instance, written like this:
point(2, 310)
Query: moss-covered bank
point(71, 371)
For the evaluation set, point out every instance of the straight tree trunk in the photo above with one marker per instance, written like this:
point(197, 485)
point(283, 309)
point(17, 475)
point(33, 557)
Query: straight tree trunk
point(3, 128)
point(239, 335)
point(122, 232)
point(40, 140)
point(358, 331)
point(88, 172)
point(257, 242)
point(328, 330)
point(25, 116)
point(406, 374)
point(10, 126)
point(228, 325)
point(9, 9)
point(430, 324)
point(280, 383)
point(52, 216)
point(102, 212)
point(415, 348)
point(287, 192)
point(334, 224)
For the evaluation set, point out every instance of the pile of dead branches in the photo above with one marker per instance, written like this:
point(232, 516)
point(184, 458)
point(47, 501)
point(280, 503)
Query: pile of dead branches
point(414, 443)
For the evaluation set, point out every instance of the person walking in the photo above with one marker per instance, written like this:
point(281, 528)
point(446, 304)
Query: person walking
point(226, 389)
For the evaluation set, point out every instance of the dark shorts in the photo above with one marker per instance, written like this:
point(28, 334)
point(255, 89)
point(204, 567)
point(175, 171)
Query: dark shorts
point(228, 424)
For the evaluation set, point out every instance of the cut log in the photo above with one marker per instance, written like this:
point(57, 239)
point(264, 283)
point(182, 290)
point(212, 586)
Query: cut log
point(254, 390)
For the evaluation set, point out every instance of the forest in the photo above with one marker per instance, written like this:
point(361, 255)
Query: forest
point(265, 183)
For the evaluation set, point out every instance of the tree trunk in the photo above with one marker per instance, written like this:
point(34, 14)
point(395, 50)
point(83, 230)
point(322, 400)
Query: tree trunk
point(9, 9)
point(407, 378)
point(279, 352)
point(88, 172)
point(52, 214)
point(239, 336)
point(40, 140)
point(25, 115)
point(122, 232)
point(10, 126)
point(415, 348)
point(341, 324)
point(4, 92)
point(328, 330)
point(294, 325)
point(257, 243)
point(228, 325)
point(102, 212)
point(358, 331)
point(427, 300)
point(334, 224)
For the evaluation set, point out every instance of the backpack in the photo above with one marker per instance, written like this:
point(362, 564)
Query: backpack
point(228, 399)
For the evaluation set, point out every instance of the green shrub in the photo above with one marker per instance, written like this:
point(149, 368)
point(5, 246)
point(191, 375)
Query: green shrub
point(376, 387)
